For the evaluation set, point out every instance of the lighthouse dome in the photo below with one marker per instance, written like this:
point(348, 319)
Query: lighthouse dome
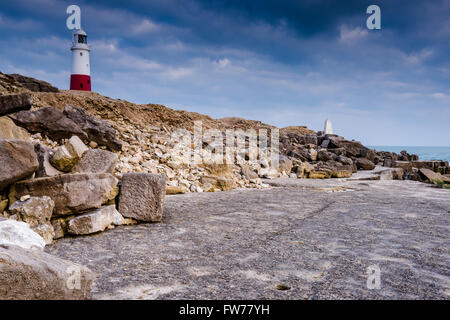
point(79, 40)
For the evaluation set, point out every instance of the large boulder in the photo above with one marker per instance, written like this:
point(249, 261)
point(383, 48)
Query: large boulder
point(17, 161)
point(72, 193)
point(44, 154)
point(96, 161)
point(142, 196)
point(67, 156)
point(36, 275)
point(15, 102)
point(364, 164)
point(48, 121)
point(36, 211)
point(19, 233)
point(97, 130)
point(33, 84)
point(95, 221)
point(8, 130)
point(353, 149)
point(433, 177)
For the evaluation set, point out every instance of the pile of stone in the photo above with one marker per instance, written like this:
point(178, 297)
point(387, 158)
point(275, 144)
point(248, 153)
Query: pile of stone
point(71, 188)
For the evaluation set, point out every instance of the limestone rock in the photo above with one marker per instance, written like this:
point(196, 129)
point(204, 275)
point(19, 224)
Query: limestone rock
point(248, 172)
point(142, 196)
point(8, 130)
point(220, 183)
point(48, 121)
point(19, 234)
point(364, 164)
point(72, 193)
point(432, 176)
point(44, 154)
point(15, 102)
point(69, 154)
point(34, 84)
point(33, 275)
point(96, 161)
point(95, 221)
point(36, 211)
point(97, 130)
point(175, 190)
point(17, 161)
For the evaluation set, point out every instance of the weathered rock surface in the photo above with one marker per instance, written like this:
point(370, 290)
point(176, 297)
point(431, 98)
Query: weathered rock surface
point(36, 211)
point(17, 161)
point(15, 102)
point(432, 176)
point(71, 193)
point(48, 121)
point(142, 196)
point(19, 233)
point(316, 236)
point(33, 84)
point(364, 164)
point(45, 168)
point(67, 156)
point(97, 130)
point(96, 161)
point(95, 221)
point(8, 130)
point(31, 274)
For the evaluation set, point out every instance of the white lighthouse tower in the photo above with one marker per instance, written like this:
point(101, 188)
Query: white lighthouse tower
point(80, 78)
point(328, 127)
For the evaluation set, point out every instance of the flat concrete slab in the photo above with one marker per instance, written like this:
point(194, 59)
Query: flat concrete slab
point(316, 237)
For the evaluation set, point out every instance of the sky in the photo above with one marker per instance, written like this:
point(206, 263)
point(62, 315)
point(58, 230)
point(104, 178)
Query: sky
point(281, 62)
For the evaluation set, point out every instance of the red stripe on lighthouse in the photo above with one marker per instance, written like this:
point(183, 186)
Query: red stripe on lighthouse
point(80, 82)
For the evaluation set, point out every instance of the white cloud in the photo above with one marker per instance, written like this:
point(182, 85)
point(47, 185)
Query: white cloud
point(349, 35)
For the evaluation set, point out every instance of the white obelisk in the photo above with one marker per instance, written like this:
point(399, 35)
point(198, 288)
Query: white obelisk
point(328, 129)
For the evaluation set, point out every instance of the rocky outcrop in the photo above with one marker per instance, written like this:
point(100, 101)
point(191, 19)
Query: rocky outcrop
point(433, 177)
point(96, 161)
point(95, 221)
point(72, 193)
point(364, 164)
point(36, 211)
point(97, 130)
point(142, 196)
point(18, 233)
point(15, 102)
point(17, 161)
point(33, 84)
point(31, 275)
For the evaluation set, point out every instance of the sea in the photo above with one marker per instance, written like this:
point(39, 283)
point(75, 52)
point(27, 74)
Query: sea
point(424, 153)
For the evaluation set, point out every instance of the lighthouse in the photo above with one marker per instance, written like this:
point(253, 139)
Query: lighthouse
point(80, 78)
point(328, 128)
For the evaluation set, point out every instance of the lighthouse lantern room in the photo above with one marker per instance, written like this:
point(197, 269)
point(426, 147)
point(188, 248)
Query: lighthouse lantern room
point(80, 78)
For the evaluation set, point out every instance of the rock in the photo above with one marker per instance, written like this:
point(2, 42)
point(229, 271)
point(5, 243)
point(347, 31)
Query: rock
point(364, 164)
point(36, 211)
point(8, 130)
point(142, 196)
point(352, 148)
point(72, 193)
point(15, 102)
point(68, 155)
point(318, 175)
point(17, 161)
point(34, 84)
point(285, 164)
point(432, 176)
point(344, 160)
point(48, 121)
point(3, 205)
point(248, 172)
point(60, 227)
point(45, 168)
point(323, 155)
point(95, 221)
point(175, 190)
point(97, 130)
point(19, 234)
point(32, 275)
point(405, 165)
point(96, 161)
point(312, 154)
point(220, 183)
